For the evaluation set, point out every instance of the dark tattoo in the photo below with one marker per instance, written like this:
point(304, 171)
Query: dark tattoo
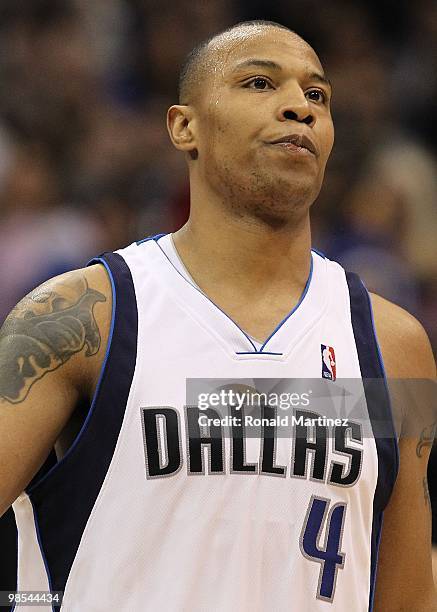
point(35, 341)
point(426, 493)
point(427, 437)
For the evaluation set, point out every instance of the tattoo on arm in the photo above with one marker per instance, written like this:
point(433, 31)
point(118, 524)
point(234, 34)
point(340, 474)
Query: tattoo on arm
point(427, 437)
point(42, 333)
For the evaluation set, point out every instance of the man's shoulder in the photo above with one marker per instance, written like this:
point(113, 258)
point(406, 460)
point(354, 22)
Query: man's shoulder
point(62, 322)
point(73, 281)
point(404, 343)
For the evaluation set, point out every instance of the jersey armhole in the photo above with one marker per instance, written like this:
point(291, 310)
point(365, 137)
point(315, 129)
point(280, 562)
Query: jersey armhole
point(67, 493)
point(379, 409)
point(374, 379)
point(51, 464)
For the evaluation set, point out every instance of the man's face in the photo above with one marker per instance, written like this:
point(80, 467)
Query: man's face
point(265, 86)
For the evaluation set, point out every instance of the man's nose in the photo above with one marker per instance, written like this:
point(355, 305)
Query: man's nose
point(296, 108)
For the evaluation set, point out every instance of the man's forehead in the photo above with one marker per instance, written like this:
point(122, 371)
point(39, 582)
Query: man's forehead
point(233, 48)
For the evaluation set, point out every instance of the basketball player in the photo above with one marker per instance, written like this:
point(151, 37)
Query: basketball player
point(135, 515)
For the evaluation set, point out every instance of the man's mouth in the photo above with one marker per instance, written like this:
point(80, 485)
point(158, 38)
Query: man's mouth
point(299, 143)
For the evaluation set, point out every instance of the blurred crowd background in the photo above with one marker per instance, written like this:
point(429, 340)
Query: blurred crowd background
point(86, 164)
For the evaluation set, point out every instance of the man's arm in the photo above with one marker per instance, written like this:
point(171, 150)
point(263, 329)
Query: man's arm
point(404, 575)
point(52, 346)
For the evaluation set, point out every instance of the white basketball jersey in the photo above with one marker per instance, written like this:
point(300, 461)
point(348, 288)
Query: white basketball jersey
point(152, 509)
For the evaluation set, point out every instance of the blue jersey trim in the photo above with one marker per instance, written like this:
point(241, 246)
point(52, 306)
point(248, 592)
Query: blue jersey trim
point(319, 253)
point(255, 350)
point(201, 292)
point(377, 522)
point(379, 408)
point(301, 299)
point(155, 237)
point(64, 498)
point(384, 377)
point(257, 353)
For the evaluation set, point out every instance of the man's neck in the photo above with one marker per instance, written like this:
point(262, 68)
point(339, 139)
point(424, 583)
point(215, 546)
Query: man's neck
point(245, 254)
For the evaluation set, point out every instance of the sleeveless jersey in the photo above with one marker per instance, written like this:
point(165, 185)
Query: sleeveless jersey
point(150, 511)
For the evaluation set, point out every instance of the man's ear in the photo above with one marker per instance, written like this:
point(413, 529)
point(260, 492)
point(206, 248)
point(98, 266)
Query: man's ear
point(180, 124)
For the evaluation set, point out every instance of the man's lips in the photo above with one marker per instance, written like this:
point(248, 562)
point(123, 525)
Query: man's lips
point(296, 142)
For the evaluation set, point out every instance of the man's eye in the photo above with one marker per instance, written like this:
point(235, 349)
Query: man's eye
point(259, 83)
point(316, 95)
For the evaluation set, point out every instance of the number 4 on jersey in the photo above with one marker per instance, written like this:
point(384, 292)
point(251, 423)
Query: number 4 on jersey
point(329, 556)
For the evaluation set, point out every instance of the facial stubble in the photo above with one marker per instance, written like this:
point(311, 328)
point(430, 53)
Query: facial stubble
point(276, 197)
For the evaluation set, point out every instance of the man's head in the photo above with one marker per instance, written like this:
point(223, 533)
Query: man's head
point(254, 119)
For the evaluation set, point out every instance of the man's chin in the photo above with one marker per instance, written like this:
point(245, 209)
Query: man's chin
point(301, 189)
point(280, 213)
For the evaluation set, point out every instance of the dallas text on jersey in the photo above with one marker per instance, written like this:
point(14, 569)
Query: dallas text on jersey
point(337, 450)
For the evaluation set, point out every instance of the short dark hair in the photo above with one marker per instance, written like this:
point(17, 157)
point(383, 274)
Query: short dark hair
point(189, 76)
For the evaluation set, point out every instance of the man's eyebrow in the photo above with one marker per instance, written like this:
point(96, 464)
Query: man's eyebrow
point(264, 63)
point(321, 78)
point(261, 63)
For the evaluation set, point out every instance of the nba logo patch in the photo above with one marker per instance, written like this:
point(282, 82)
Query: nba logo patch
point(329, 368)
